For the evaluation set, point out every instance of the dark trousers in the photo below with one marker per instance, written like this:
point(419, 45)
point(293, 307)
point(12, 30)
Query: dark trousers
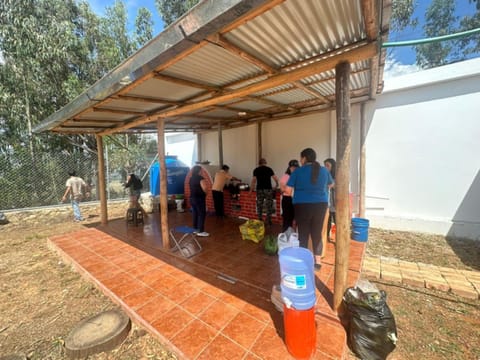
point(218, 202)
point(199, 211)
point(309, 218)
point(288, 212)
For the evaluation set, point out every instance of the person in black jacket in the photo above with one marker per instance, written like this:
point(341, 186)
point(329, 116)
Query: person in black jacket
point(198, 195)
point(135, 185)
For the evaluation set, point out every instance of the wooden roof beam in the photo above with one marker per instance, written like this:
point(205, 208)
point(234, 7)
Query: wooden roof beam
point(329, 62)
point(369, 12)
point(221, 41)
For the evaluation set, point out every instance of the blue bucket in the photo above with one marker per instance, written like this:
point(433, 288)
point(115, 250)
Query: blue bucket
point(360, 229)
point(298, 279)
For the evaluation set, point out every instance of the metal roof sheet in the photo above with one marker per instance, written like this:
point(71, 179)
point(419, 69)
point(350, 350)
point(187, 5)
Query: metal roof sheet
point(223, 58)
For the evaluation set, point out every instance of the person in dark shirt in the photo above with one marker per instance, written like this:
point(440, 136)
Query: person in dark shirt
point(262, 182)
point(198, 194)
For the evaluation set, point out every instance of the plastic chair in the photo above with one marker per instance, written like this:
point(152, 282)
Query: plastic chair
point(185, 241)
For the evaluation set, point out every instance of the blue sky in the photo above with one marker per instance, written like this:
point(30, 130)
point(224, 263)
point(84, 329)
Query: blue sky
point(400, 60)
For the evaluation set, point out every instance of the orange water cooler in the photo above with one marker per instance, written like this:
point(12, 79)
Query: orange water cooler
point(298, 293)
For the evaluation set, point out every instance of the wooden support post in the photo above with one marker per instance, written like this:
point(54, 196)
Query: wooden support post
point(163, 182)
point(259, 140)
point(199, 147)
point(101, 181)
point(220, 144)
point(342, 180)
point(363, 151)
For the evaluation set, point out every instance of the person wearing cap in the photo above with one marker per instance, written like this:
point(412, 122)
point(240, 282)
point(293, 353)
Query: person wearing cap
point(288, 212)
point(262, 183)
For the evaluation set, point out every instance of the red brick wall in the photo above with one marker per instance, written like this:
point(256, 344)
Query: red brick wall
point(248, 206)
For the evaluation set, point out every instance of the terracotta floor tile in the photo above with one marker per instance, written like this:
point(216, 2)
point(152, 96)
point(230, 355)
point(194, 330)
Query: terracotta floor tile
point(119, 279)
point(127, 288)
point(222, 348)
point(165, 284)
point(218, 314)
point(244, 329)
point(140, 297)
point(233, 300)
point(213, 291)
point(197, 303)
point(171, 322)
point(152, 276)
point(155, 307)
point(194, 338)
point(270, 346)
point(130, 261)
point(331, 337)
point(182, 292)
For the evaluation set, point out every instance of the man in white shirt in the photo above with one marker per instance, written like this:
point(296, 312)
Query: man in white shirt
point(75, 188)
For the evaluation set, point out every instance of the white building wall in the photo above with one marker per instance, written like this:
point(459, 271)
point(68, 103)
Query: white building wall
point(423, 156)
point(282, 140)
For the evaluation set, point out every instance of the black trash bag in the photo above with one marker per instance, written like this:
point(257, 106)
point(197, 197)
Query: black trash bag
point(372, 333)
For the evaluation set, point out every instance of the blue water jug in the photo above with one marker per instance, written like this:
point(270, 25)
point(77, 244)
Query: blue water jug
point(297, 277)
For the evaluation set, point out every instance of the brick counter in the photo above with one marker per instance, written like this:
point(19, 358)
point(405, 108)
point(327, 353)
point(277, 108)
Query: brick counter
point(246, 206)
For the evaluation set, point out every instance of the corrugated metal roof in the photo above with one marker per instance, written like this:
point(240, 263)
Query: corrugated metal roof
point(266, 58)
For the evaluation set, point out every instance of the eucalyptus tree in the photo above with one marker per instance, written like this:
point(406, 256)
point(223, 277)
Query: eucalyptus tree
point(171, 10)
point(143, 27)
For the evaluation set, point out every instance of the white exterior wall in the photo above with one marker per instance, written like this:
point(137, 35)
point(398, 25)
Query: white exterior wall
point(282, 140)
point(423, 155)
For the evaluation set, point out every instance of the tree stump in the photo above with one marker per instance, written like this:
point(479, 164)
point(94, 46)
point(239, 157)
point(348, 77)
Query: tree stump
point(101, 332)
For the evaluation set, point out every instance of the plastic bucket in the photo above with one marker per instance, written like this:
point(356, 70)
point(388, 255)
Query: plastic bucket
point(297, 277)
point(360, 229)
point(300, 332)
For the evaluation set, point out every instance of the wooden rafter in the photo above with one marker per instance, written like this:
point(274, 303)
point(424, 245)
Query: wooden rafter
point(117, 111)
point(369, 12)
point(355, 55)
point(221, 41)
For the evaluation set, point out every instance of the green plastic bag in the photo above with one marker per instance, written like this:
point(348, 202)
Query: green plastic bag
point(270, 245)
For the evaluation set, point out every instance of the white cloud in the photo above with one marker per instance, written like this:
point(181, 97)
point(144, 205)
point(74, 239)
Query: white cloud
point(394, 68)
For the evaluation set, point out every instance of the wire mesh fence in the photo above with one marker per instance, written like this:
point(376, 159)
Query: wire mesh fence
point(34, 180)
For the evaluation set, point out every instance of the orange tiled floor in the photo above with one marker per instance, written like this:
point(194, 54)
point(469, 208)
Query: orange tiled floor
point(186, 305)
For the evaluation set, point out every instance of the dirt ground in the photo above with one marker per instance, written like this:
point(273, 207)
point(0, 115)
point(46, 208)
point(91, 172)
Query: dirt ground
point(41, 299)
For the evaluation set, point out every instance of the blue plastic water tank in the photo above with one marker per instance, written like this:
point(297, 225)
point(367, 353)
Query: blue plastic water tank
point(298, 279)
point(176, 173)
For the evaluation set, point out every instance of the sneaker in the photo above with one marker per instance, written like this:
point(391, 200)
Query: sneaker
point(203, 234)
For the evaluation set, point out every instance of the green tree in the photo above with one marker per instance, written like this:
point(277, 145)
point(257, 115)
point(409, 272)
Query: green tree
point(471, 44)
point(440, 20)
point(143, 27)
point(171, 10)
point(402, 15)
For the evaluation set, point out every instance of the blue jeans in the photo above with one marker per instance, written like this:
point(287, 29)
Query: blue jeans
point(77, 215)
point(199, 211)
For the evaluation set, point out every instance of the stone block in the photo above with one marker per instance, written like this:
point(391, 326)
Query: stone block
point(388, 260)
point(464, 290)
point(413, 279)
point(393, 276)
point(408, 265)
point(437, 283)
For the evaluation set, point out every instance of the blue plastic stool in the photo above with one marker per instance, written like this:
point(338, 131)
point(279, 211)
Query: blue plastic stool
point(185, 241)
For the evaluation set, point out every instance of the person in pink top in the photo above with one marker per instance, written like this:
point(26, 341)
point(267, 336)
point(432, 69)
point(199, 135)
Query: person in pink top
point(288, 213)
